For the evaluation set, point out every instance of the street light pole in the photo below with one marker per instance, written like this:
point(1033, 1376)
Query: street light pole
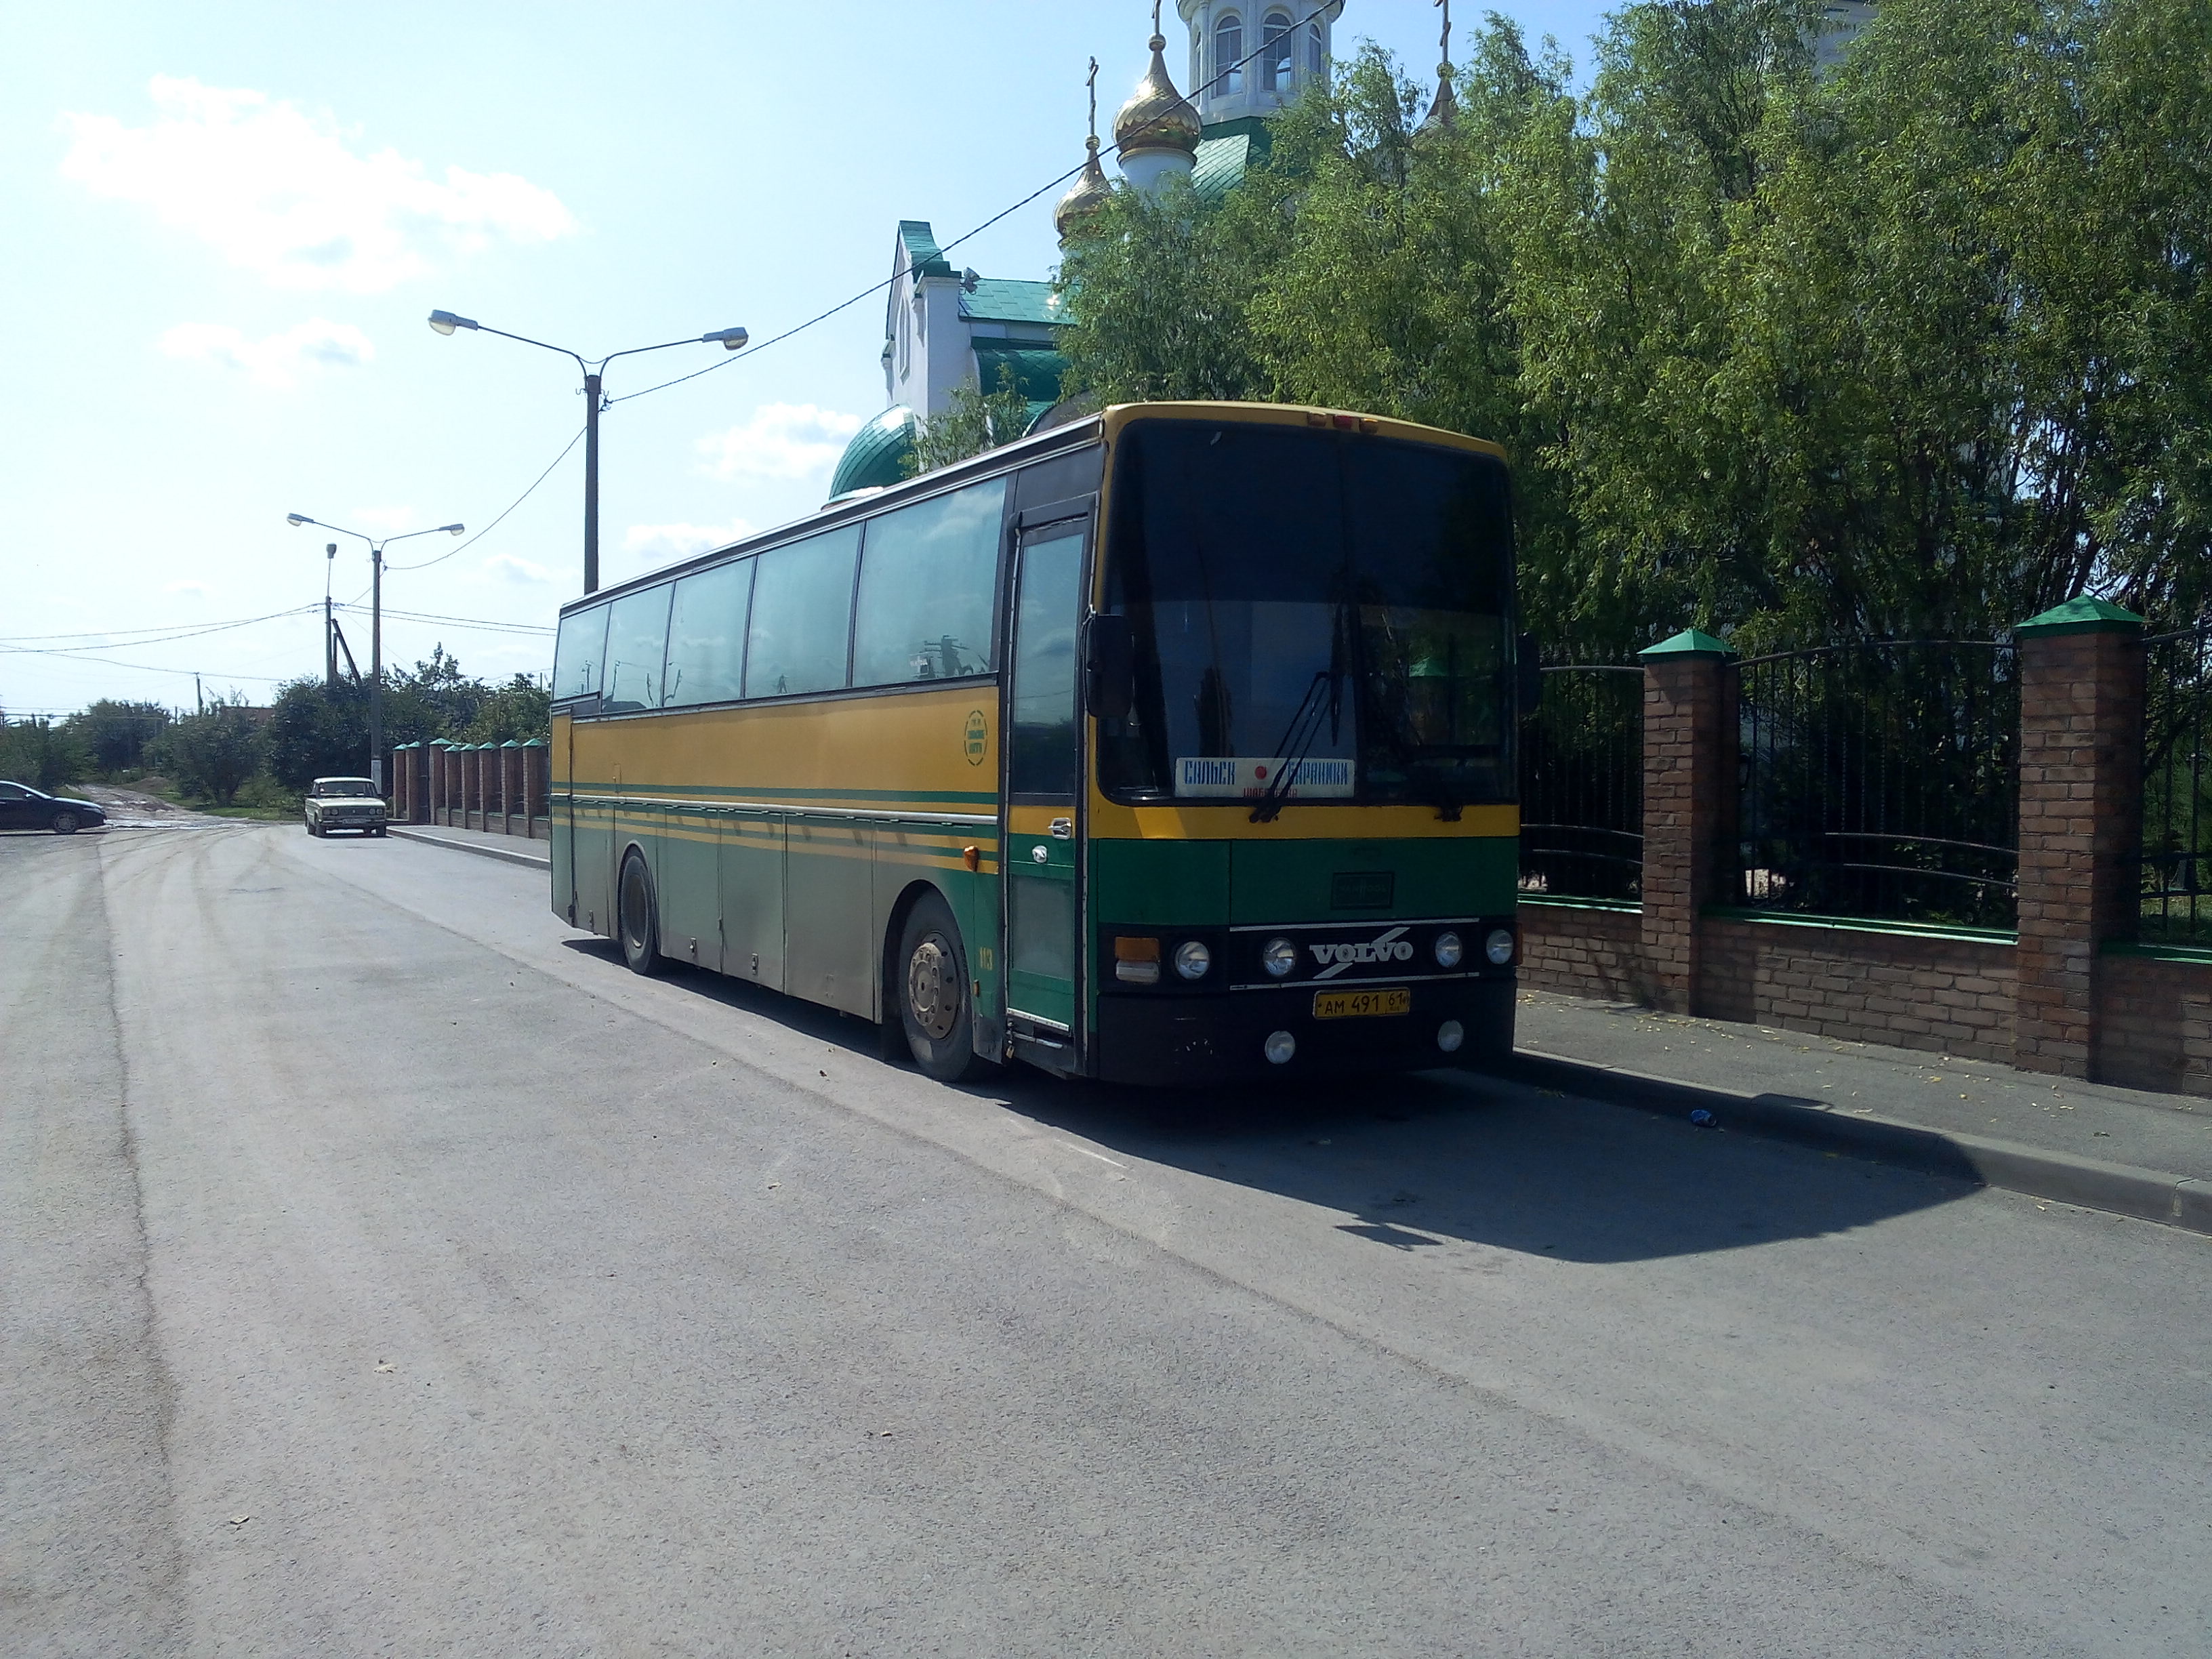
point(592, 482)
point(594, 372)
point(376, 547)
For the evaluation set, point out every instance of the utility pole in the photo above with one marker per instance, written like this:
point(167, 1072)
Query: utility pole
point(329, 621)
point(199, 703)
point(376, 666)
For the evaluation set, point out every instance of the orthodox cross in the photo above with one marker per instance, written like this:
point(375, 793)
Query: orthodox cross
point(1443, 46)
point(1092, 83)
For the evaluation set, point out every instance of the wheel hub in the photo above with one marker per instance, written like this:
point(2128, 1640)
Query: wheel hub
point(931, 995)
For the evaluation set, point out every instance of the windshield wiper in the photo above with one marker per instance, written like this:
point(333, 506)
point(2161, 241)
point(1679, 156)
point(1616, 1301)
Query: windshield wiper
point(1298, 739)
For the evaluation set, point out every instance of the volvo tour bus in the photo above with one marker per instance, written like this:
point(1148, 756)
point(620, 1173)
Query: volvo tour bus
point(1173, 744)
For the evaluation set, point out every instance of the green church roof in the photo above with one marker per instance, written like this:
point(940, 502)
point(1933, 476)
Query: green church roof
point(1036, 369)
point(1225, 151)
point(874, 460)
point(1009, 300)
point(921, 248)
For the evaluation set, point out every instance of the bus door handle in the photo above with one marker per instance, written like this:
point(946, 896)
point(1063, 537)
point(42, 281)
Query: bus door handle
point(1064, 829)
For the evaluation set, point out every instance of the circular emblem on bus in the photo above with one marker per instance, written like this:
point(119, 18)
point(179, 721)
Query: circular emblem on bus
point(977, 737)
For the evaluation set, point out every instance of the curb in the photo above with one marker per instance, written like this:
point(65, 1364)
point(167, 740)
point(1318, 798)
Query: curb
point(2184, 1201)
point(483, 852)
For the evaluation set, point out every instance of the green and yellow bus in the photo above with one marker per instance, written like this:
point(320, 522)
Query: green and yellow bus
point(1173, 744)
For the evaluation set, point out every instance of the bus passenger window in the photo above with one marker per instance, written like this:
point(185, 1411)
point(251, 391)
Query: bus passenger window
point(802, 616)
point(929, 574)
point(637, 640)
point(706, 636)
point(577, 653)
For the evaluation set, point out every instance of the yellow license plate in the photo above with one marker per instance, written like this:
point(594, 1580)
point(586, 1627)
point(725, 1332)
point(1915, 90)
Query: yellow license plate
point(1362, 1004)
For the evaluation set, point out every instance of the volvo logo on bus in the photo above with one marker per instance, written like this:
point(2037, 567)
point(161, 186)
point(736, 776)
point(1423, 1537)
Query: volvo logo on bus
point(1389, 946)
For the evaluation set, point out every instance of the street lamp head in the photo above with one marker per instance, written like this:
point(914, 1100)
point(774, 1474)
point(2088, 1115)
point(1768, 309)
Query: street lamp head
point(730, 338)
point(330, 549)
point(453, 529)
point(445, 322)
point(295, 519)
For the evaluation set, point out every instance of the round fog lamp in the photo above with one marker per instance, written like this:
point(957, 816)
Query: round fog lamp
point(1448, 950)
point(1280, 957)
point(1499, 947)
point(1449, 1035)
point(1279, 1048)
point(1193, 959)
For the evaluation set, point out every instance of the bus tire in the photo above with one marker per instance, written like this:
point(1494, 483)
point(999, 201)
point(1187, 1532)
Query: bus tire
point(637, 920)
point(930, 978)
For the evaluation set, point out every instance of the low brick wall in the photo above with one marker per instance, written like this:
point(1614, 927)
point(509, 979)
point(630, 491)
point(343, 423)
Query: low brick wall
point(1585, 953)
point(2154, 1028)
point(1947, 996)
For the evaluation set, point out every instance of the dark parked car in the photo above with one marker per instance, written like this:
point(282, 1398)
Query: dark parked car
point(22, 807)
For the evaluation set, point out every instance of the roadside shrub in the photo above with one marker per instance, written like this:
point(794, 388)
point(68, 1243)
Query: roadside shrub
point(43, 755)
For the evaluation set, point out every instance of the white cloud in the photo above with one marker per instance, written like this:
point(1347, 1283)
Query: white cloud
point(517, 570)
point(285, 194)
point(200, 589)
point(278, 359)
point(649, 544)
point(782, 441)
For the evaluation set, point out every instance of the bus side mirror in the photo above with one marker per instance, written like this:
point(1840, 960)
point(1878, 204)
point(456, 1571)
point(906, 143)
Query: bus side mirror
point(1530, 671)
point(1109, 668)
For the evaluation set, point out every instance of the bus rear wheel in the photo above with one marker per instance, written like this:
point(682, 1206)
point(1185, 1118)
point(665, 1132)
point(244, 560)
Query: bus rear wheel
point(638, 925)
point(932, 987)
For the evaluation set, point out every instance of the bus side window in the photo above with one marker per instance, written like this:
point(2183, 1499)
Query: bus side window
point(929, 574)
point(577, 652)
point(637, 642)
point(802, 616)
point(706, 636)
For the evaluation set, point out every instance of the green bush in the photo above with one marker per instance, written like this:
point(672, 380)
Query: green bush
point(46, 757)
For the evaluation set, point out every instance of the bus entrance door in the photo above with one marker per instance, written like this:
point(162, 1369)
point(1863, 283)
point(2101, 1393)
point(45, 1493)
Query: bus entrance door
point(1042, 992)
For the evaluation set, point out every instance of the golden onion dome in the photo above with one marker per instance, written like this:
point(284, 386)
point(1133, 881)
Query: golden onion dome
point(1085, 197)
point(1156, 116)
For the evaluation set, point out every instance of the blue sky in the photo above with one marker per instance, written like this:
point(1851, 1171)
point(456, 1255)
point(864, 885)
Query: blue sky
point(232, 219)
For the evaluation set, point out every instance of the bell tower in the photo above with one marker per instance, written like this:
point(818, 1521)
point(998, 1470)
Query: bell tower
point(1252, 57)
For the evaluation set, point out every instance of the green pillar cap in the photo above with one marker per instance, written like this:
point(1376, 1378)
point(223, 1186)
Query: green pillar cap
point(1690, 643)
point(510, 744)
point(535, 743)
point(2082, 614)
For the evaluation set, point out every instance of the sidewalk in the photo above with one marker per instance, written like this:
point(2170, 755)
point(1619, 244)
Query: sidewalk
point(2109, 1148)
point(514, 849)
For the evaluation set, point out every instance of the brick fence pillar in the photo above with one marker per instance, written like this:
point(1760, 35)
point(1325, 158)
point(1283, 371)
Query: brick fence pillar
point(2080, 822)
point(1689, 792)
point(512, 800)
point(536, 766)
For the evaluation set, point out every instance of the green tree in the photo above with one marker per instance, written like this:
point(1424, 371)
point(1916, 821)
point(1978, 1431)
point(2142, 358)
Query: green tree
point(46, 757)
point(973, 421)
point(211, 753)
point(114, 733)
point(517, 711)
point(318, 731)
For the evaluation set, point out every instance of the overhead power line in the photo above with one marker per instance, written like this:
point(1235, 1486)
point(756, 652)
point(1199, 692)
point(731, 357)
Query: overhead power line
point(132, 638)
point(494, 524)
point(947, 247)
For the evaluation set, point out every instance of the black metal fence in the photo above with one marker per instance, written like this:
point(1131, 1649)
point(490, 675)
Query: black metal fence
point(2177, 804)
point(1881, 781)
point(1582, 786)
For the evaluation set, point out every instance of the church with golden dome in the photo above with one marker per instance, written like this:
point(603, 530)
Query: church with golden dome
point(945, 328)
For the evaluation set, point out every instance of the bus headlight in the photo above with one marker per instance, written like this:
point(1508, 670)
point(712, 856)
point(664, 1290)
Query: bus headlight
point(1448, 950)
point(1280, 957)
point(1192, 959)
point(1279, 1048)
point(1449, 1035)
point(1499, 947)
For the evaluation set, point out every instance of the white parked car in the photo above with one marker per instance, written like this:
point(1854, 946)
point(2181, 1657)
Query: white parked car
point(343, 804)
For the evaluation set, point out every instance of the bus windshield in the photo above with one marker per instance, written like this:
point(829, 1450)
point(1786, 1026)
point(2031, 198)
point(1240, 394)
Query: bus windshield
point(1329, 599)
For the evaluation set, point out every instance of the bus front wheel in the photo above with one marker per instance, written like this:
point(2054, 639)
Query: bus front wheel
point(933, 992)
point(638, 927)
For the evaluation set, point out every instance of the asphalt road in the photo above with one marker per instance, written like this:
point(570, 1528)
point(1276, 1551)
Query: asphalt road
point(383, 1269)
